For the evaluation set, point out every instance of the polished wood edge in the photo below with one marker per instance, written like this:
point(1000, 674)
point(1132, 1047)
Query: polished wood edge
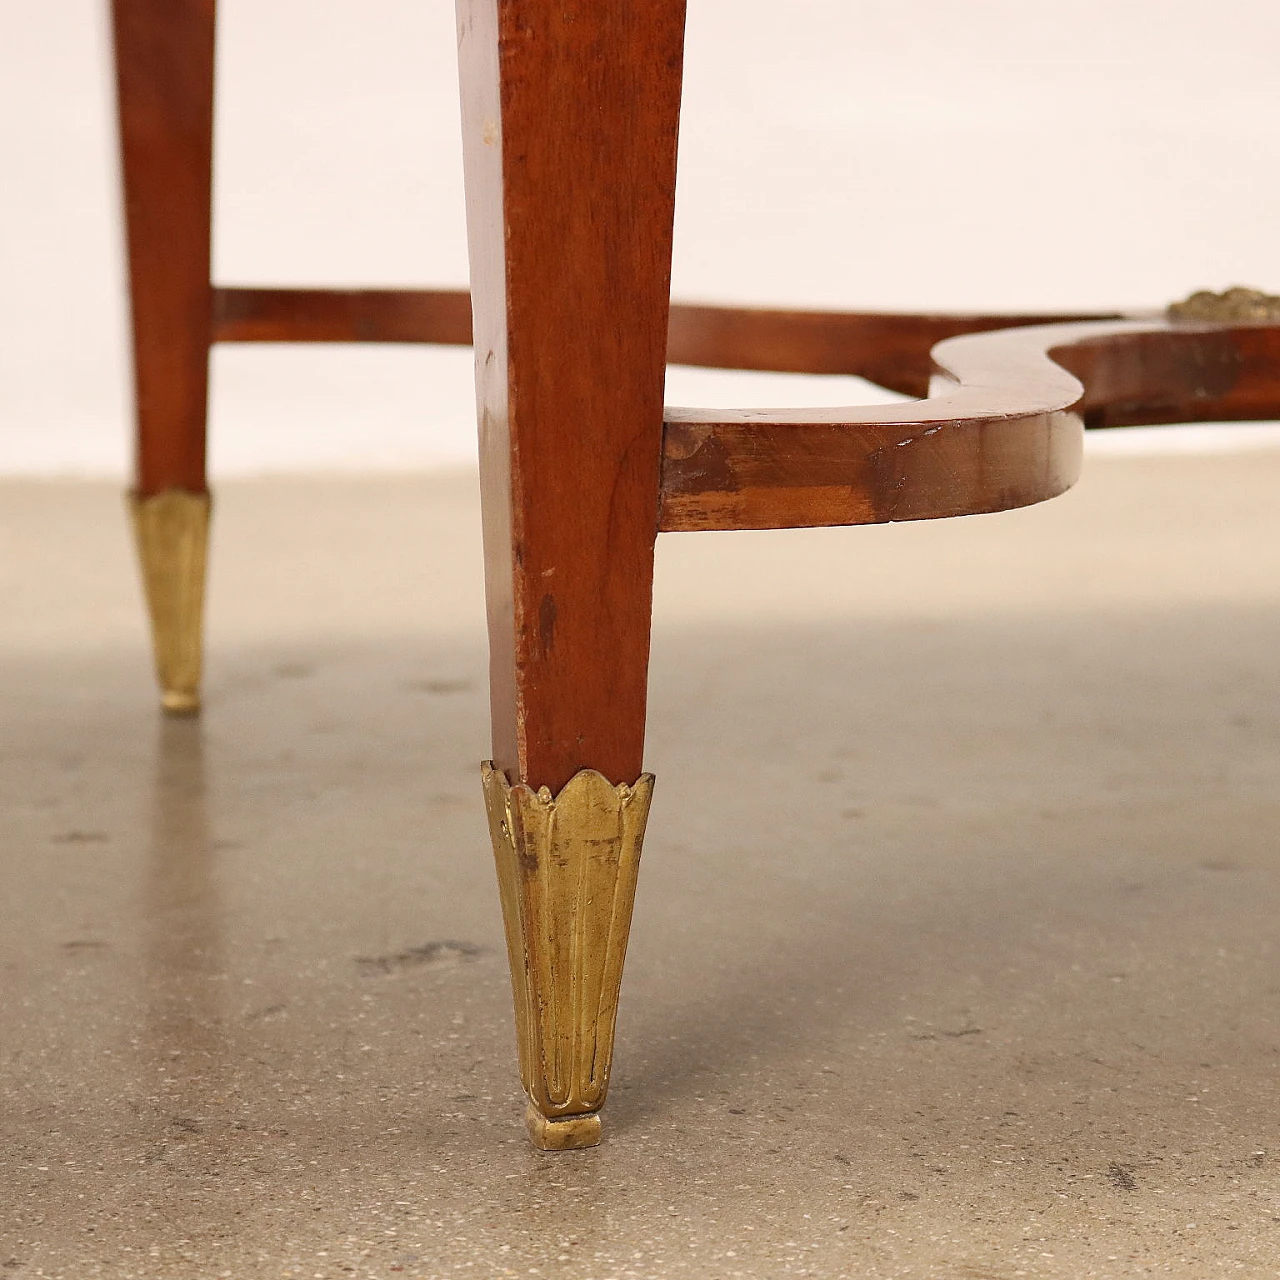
point(1001, 427)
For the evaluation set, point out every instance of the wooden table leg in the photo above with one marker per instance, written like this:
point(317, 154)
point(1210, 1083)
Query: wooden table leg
point(570, 114)
point(164, 52)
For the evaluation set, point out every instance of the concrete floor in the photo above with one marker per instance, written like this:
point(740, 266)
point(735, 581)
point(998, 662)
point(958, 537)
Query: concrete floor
point(955, 953)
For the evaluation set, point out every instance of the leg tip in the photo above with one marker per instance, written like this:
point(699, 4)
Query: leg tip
point(172, 531)
point(180, 702)
point(565, 1133)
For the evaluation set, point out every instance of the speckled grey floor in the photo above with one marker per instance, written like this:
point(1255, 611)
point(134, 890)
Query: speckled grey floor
point(955, 953)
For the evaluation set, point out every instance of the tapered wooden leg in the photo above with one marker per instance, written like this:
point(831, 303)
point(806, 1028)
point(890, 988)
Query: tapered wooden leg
point(570, 113)
point(164, 53)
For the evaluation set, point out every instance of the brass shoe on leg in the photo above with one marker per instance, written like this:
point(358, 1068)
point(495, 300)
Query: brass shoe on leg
point(567, 868)
point(172, 532)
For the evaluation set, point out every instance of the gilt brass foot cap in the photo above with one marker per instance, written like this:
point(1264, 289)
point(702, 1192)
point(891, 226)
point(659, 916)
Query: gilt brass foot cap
point(172, 532)
point(566, 1133)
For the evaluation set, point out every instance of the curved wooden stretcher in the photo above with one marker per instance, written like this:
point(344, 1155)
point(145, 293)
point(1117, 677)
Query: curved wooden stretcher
point(1011, 403)
point(570, 113)
point(1000, 428)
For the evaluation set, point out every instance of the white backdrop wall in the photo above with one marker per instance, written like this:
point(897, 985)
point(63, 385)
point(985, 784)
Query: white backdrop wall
point(895, 153)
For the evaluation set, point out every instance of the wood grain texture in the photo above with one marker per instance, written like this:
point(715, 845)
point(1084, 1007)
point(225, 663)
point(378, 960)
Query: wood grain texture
point(440, 316)
point(1002, 427)
point(888, 348)
point(891, 349)
point(164, 53)
point(1182, 371)
point(570, 114)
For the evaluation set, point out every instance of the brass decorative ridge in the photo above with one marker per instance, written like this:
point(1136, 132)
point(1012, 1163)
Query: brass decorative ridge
point(567, 868)
point(1237, 304)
